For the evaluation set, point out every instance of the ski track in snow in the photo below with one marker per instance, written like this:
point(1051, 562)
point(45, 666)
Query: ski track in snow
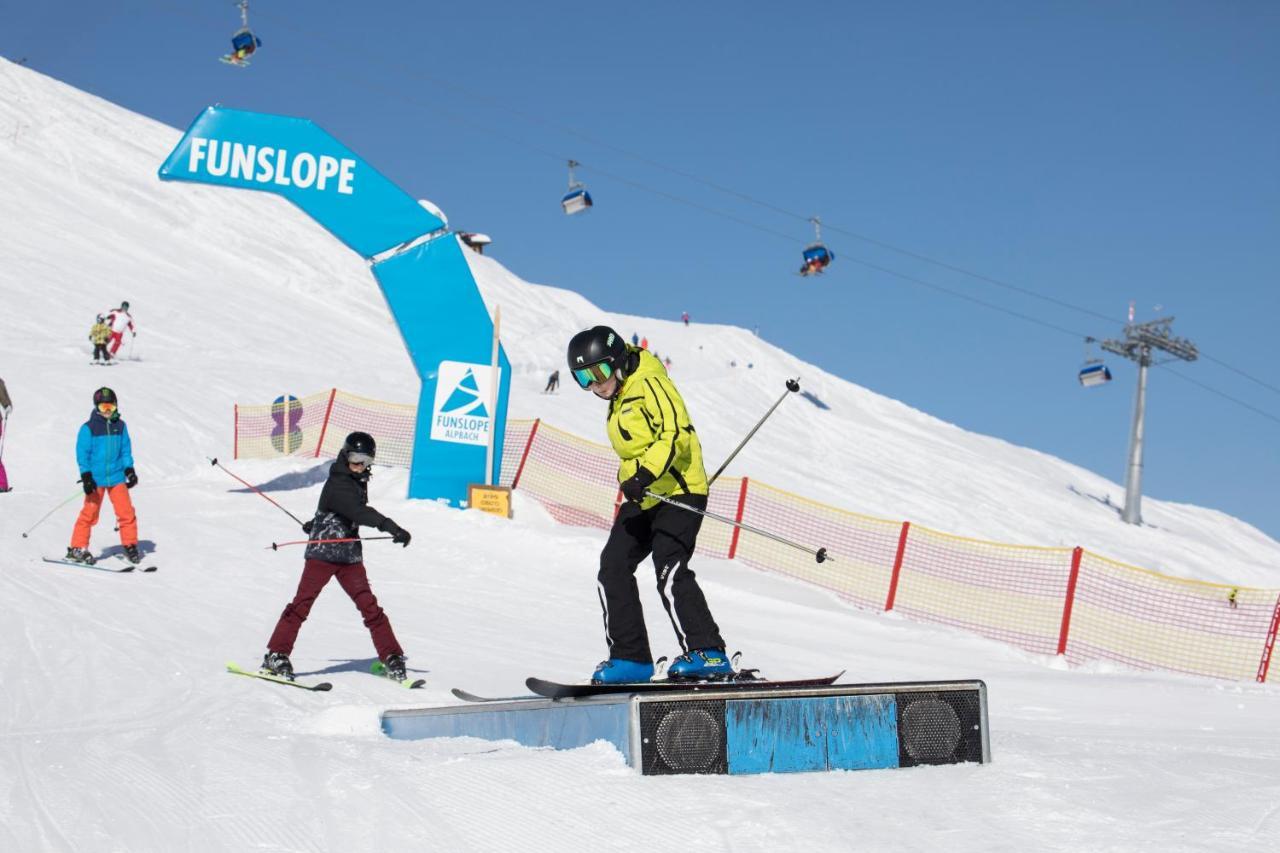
point(119, 729)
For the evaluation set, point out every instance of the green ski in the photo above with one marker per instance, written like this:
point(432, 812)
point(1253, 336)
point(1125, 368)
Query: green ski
point(235, 669)
point(379, 668)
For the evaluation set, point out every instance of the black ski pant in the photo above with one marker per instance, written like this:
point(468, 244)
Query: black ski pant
point(101, 350)
point(670, 534)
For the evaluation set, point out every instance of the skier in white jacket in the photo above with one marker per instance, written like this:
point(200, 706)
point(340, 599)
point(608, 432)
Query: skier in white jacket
point(120, 321)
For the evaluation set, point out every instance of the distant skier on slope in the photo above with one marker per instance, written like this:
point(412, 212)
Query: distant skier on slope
point(650, 431)
point(6, 409)
point(120, 321)
point(100, 333)
point(104, 453)
point(553, 383)
point(342, 510)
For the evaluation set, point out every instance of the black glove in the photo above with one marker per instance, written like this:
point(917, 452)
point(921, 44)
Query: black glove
point(634, 489)
point(306, 526)
point(90, 485)
point(399, 535)
point(130, 478)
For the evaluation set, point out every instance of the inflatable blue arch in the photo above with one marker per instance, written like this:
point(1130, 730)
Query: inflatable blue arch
point(417, 263)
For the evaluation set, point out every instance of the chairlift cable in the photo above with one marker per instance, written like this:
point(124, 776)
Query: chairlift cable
point(1222, 394)
point(473, 96)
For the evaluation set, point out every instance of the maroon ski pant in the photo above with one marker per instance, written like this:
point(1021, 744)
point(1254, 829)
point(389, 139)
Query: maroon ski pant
point(354, 581)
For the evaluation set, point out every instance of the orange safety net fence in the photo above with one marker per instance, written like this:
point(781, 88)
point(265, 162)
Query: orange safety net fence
point(1066, 601)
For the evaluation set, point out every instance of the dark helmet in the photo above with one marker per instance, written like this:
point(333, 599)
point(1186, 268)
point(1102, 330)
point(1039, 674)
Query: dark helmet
point(100, 318)
point(600, 345)
point(124, 306)
point(361, 443)
point(104, 395)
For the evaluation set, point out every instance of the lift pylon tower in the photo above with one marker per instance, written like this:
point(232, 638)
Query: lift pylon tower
point(1141, 340)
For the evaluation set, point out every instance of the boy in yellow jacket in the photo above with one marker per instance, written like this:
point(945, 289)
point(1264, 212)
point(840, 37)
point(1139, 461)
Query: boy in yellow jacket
point(100, 334)
point(659, 453)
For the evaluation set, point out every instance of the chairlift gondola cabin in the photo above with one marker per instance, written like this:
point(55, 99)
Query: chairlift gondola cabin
point(817, 257)
point(1094, 373)
point(243, 42)
point(577, 199)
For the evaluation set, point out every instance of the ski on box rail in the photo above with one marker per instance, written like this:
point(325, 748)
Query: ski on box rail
point(557, 690)
point(235, 669)
point(471, 697)
point(379, 668)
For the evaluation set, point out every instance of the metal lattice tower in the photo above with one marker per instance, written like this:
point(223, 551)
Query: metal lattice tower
point(1141, 340)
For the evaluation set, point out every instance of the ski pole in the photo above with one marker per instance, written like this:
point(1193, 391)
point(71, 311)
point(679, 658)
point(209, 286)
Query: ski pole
point(259, 491)
point(792, 386)
point(820, 555)
point(4, 430)
point(276, 546)
point(77, 493)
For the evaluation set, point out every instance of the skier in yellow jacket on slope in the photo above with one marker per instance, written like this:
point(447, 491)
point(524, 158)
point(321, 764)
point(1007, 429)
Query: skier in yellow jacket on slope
point(100, 333)
point(659, 452)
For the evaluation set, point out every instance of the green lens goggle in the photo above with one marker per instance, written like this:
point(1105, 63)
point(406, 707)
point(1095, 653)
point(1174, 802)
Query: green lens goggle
point(592, 373)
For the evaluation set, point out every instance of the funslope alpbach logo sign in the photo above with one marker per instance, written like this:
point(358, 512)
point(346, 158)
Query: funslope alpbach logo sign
point(461, 411)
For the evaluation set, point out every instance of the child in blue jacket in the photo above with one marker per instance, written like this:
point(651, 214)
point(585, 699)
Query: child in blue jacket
point(105, 456)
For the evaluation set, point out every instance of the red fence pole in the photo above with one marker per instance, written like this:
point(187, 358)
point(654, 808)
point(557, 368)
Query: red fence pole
point(897, 566)
point(1265, 663)
point(1070, 600)
point(235, 451)
point(525, 455)
point(325, 426)
point(742, 503)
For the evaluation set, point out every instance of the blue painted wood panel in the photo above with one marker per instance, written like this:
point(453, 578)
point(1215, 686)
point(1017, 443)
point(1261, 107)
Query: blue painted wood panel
point(823, 733)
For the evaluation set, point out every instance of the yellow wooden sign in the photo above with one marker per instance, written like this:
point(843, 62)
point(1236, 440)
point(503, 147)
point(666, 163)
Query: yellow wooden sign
point(495, 500)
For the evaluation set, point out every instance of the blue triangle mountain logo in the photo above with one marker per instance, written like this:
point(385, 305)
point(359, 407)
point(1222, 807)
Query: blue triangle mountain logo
point(465, 399)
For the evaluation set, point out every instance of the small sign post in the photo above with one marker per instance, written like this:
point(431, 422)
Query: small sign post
point(495, 500)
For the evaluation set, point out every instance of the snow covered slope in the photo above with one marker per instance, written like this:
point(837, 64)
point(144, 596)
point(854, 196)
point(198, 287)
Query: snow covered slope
point(119, 731)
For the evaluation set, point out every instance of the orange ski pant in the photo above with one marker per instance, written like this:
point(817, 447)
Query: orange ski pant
point(125, 516)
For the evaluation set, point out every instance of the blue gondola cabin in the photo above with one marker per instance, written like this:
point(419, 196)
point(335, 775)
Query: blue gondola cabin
point(1094, 374)
point(243, 45)
point(576, 201)
point(817, 258)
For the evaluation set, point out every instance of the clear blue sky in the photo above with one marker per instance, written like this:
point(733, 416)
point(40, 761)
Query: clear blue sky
point(1089, 152)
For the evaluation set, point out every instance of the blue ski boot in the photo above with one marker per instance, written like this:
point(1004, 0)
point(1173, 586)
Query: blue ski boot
point(619, 671)
point(701, 665)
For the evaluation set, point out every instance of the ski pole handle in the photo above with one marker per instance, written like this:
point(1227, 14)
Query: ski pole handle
point(820, 554)
point(276, 546)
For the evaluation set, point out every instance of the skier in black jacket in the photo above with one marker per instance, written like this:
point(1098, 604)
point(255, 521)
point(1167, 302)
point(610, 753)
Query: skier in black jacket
point(343, 509)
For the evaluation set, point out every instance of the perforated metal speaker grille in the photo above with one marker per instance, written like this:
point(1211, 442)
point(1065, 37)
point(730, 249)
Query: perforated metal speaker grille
point(683, 737)
point(939, 728)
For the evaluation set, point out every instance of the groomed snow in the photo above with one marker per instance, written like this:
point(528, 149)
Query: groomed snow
point(119, 730)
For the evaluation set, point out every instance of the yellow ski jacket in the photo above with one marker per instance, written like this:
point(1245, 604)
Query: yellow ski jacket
point(649, 425)
point(100, 333)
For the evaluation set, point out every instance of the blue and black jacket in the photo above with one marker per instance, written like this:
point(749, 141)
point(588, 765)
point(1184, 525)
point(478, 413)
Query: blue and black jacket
point(342, 511)
point(103, 449)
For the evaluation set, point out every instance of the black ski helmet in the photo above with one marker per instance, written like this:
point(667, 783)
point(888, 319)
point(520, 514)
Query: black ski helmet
point(124, 306)
point(595, 346)
point(104, 395)
point(360, 442)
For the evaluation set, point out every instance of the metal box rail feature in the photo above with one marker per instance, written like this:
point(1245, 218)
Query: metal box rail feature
point(833, 727)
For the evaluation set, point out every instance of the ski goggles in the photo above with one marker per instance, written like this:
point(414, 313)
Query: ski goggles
point(593, 373)
point(360, 458)
point(106, 408)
